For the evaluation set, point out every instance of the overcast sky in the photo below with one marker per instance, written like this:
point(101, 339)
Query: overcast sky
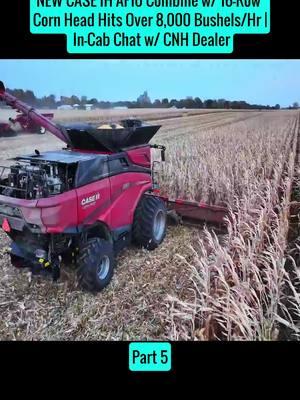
point(259, 81)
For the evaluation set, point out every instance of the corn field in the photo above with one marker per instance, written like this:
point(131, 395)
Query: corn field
point(201, 284)
point(238, 282)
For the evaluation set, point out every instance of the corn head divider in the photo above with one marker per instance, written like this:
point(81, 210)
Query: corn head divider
point(193, 212)
point(85, 203)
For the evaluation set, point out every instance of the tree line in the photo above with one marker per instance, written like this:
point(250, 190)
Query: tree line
point(143, 101)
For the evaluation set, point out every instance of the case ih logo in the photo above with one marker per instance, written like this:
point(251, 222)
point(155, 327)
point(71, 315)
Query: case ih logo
point(90, 200)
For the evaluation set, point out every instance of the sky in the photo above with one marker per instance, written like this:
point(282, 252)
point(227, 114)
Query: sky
point(255, 81)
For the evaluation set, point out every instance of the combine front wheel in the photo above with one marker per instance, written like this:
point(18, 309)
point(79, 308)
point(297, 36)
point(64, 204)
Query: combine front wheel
point(149, 226)
point(95, 264)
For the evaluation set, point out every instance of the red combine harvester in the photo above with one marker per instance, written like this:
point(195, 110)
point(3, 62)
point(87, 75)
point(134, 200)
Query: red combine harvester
point(85, 203)
point(28, 125)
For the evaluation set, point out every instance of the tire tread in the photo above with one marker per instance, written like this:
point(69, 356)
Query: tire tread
point(87, 264)
point(142, 231)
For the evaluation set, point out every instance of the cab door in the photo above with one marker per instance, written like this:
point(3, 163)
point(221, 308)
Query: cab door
point(127, 186)
point(94, 199)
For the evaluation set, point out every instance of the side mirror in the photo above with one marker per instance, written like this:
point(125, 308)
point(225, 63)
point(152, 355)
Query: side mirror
point(163, 151)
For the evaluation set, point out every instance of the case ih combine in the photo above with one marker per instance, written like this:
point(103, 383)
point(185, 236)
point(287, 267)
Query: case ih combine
point(26, 123)
point(86, 202)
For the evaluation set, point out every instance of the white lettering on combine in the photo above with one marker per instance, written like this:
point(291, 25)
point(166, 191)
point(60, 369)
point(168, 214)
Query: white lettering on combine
point(90, 200)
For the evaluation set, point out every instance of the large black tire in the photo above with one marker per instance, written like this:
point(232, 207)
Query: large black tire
point(149, 226)
point(96, 263)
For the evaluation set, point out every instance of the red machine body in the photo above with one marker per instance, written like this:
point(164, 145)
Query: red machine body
point(28, 125)
point(120, 193)
point(96, 195)
point(34, 116)
point(111, 201)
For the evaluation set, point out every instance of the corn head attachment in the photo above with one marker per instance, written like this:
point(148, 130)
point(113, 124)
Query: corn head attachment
point(194, 213)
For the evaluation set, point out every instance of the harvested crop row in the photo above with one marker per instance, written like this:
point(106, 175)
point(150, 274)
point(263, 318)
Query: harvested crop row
point(113, 115)
point(172, 130)
point(239, 287)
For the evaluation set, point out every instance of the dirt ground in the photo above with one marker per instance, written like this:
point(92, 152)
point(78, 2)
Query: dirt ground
point(133, 306)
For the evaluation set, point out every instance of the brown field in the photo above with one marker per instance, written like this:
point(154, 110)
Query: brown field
point(174, 122)
point(115, 114)
point(198, 285)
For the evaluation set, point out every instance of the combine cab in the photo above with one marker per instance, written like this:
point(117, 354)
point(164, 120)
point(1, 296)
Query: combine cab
point(85, 203)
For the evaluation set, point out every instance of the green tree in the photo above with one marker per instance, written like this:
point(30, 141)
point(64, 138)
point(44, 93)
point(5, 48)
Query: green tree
point(165, 102)
point(198, 102)
point(209, 103)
